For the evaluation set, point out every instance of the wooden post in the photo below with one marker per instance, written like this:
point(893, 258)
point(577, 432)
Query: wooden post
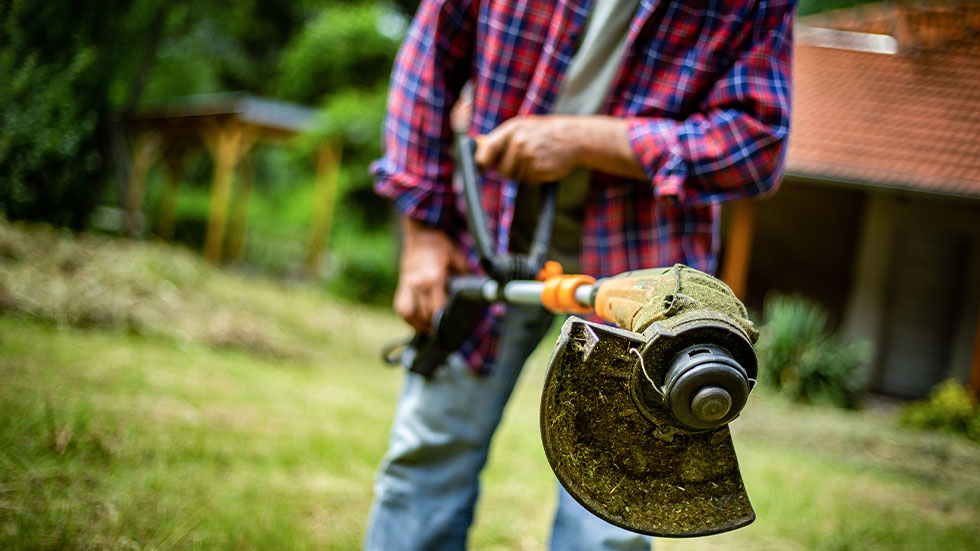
point(239, 208)
point(324, 197)
point(738, 246)
point(225, 145)
point(974, 383)
point(173, 165)
point(145, 153)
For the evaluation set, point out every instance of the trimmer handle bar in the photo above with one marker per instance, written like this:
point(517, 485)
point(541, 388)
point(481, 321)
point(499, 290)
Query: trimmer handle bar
point(499, 266)
point(509, 277)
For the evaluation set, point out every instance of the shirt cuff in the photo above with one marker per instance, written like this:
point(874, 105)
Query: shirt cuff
point(656, 145)
point(420, 199)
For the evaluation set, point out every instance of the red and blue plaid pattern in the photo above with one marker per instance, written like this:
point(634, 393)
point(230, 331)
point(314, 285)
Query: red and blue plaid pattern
point(704, 88)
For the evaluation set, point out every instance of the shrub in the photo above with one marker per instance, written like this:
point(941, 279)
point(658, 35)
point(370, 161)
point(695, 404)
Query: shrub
point(49, 160)
point(347, 46)
point(800, 358)
point(949, 408)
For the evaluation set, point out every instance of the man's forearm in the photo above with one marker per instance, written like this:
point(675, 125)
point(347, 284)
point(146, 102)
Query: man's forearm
point(605, 147)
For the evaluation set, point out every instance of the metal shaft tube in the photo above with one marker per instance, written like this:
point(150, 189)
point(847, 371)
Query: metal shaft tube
point(528, 292)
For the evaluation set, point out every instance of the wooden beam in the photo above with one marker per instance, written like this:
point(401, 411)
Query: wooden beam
point(228, 142)
point(324, 198)
point(145, 153)
point(239, 207)
point(173, 165)
point(974, 383)
point(224, 142)
point(738, 246)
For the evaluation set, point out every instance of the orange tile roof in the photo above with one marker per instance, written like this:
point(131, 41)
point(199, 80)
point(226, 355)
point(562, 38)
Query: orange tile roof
point(908, 120)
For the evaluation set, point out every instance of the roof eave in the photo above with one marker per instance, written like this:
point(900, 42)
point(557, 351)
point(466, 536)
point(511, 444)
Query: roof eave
point(834, 181)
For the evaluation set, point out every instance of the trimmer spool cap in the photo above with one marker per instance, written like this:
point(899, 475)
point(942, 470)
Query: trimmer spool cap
point(699, 374)
point(705, 387)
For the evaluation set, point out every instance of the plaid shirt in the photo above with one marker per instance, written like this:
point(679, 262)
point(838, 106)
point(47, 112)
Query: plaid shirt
point(704, 88)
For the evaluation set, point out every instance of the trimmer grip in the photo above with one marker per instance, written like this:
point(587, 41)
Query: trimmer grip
point(452, 325)
point(560, 292)
point(634, 300)
point(625, 298)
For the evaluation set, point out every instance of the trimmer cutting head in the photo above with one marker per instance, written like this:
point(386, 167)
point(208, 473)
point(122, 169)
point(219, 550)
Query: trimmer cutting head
point(617, 416)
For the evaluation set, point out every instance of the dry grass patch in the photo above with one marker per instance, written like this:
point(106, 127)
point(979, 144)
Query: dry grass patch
point(89, 281)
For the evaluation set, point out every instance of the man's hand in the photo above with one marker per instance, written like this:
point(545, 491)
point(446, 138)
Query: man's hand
point(428, 258)
point(545, 148)
point(531, 150)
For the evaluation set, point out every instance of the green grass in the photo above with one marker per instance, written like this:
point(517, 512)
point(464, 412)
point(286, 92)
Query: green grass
point(111, 439)
point(218, 411)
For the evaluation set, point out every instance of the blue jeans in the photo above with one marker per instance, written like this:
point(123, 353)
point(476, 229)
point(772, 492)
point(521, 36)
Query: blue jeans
point(427, 486)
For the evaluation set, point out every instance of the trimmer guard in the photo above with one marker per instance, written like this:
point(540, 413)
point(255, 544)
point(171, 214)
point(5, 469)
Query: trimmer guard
point(646, 475)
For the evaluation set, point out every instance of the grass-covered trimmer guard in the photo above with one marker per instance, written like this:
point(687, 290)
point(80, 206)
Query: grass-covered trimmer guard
point(635, 420)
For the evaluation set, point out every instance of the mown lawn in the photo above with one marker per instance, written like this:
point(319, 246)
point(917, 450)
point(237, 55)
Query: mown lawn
point(148, 401)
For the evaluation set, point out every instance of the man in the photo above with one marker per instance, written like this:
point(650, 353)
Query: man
point(650, 113)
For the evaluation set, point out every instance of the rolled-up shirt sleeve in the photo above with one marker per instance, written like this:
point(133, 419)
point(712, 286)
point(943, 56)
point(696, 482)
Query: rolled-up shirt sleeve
point(434, 62)
point(734, 146)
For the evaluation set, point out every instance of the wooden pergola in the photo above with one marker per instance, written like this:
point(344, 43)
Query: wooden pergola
point(229, 125)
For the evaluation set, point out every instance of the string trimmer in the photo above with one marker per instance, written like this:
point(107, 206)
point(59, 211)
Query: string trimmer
point(634, 419)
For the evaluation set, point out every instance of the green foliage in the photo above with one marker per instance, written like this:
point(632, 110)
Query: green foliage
point(801, 359)
point(71, 70)
point(342, 60)
point(47, 142)
point(352, 118)
point(194, 63)
point(344, 47)
point(363, 264)
point(54, 60)
point(70, 73)
point(222, 45)
point(949, 408)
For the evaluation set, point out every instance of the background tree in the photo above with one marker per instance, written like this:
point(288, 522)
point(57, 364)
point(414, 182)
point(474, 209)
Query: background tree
point(72, 69)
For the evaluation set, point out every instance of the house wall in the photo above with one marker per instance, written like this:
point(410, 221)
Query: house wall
point(916, 291)
point(805, 243)
point(899, 270)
